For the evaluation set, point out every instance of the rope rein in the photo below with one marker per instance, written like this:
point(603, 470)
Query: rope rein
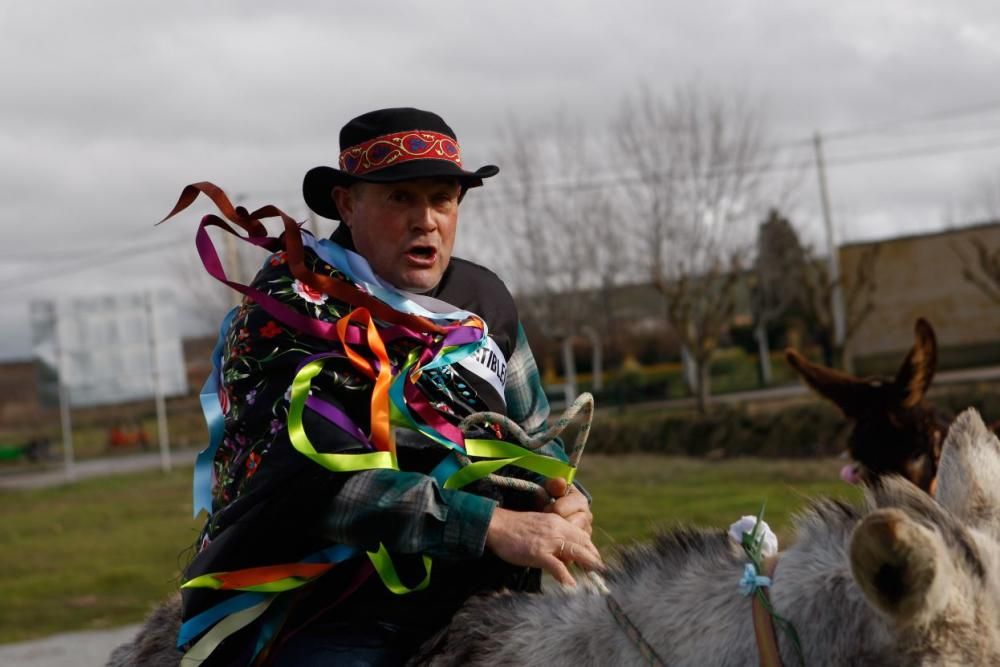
point(648, 653)
point(582, 409)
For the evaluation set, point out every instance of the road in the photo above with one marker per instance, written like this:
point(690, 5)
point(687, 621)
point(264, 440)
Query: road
point(72, 649)
point(116, 465)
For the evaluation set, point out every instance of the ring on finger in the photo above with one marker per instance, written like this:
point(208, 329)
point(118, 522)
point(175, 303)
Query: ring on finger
point(562, 545)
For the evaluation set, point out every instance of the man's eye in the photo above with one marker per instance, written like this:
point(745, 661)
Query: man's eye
point(399, 197)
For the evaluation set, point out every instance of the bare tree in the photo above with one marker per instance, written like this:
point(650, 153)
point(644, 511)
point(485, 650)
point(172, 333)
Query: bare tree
point(983, 269)
point(697, 160)
point(210, 299)
point(557, 225)
point(982, 200)
point(859, 288)
point(774, 283)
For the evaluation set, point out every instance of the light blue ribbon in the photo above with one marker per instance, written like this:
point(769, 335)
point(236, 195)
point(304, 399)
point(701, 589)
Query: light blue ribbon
point(202, 487)
point(357, 269)
point(206, 619)
point(751, 581)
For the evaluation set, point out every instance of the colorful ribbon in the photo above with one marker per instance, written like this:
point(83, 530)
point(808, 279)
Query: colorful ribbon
point(214, 419)
point(301, 442)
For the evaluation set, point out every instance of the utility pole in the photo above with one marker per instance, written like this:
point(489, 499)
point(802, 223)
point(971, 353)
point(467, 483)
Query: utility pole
point(65, 420)
point(836, 291)
point(163, 436)
point(569, 370)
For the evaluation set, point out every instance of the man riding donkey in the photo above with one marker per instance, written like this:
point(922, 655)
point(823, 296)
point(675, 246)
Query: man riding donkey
point(341, 526)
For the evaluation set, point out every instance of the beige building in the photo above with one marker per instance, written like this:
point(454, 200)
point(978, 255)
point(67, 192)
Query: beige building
point(922, 276)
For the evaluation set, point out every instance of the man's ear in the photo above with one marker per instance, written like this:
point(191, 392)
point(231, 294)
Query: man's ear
point(344, 199)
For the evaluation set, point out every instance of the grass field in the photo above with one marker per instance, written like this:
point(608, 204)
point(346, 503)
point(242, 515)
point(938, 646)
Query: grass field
point(100, 553)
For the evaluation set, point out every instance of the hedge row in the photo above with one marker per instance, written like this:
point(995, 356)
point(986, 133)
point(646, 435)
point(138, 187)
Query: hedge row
point(797, 431)
point(813, 430)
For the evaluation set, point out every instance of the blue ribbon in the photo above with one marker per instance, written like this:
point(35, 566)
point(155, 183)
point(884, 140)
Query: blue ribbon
point(337, 553)
point(206, 619)
point(202, 488)
point(751, 581)
point(355, 267)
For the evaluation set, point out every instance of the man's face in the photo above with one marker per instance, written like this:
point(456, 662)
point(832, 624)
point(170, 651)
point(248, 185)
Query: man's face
point(405, 230)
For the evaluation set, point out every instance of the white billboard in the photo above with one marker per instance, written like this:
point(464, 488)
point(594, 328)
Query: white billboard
point(108, 349)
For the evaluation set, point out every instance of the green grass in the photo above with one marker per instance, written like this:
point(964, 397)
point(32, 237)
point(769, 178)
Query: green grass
point(637, 494)
point(91, 555)
point(102, 552)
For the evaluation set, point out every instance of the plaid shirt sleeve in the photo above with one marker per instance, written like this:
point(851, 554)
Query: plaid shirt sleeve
point(410, 512)
point(527, 403)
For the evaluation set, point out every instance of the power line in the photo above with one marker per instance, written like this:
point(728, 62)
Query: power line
point(120, 252)
point(950, 114)
point(497, 200)
point(112, 256)
point(78, 252)
point(940, 149)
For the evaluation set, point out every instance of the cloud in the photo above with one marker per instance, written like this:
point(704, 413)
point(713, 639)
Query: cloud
point(111, 107)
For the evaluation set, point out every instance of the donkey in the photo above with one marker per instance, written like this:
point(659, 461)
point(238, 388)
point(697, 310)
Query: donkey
point(895, 430)
point(905, 580)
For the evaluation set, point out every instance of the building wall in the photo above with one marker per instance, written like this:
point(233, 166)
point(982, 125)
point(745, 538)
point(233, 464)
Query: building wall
point(921, 276)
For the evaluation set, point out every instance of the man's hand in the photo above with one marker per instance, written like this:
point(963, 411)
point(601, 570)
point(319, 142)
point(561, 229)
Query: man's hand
point(570, 504)
point(542, 539)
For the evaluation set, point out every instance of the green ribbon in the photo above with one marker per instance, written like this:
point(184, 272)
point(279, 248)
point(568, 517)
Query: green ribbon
point(387, 572)
point(278, 586)
point(301, 442)
point(503, 454)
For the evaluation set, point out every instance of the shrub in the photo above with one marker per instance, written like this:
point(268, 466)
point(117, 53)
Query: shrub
point(801, 431)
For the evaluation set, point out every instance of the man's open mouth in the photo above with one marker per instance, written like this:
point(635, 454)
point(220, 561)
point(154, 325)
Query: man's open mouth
point(422, 254)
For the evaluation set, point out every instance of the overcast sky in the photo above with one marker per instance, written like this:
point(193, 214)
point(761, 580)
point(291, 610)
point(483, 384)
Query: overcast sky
point(110, 108)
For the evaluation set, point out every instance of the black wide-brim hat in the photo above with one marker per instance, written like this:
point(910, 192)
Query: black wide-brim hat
point(387, 146)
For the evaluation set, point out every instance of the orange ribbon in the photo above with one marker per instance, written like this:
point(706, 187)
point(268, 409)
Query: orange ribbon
point(262, 575)
point(381, 431)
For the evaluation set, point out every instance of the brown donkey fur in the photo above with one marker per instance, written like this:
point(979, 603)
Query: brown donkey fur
point(895, 430)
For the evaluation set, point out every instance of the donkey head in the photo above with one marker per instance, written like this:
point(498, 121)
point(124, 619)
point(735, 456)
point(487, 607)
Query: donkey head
point(895, 431)
point(932, 569)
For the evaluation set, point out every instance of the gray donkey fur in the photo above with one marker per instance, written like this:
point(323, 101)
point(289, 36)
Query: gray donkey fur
point(906, 580)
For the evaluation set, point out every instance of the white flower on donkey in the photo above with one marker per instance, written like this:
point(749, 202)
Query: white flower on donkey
point(768, 540)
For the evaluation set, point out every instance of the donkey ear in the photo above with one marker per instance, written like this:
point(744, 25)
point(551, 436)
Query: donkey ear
point(969, 473)
point(915, 375)
point(903, 569)
point(845, 391)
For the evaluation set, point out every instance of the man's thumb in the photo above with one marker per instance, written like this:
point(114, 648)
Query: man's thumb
point(556, 487)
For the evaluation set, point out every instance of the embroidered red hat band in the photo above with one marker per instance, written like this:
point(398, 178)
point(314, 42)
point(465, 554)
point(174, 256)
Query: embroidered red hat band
point(399, 147)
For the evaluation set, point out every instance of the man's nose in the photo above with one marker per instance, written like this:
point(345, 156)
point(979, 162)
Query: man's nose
point(423, 218)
